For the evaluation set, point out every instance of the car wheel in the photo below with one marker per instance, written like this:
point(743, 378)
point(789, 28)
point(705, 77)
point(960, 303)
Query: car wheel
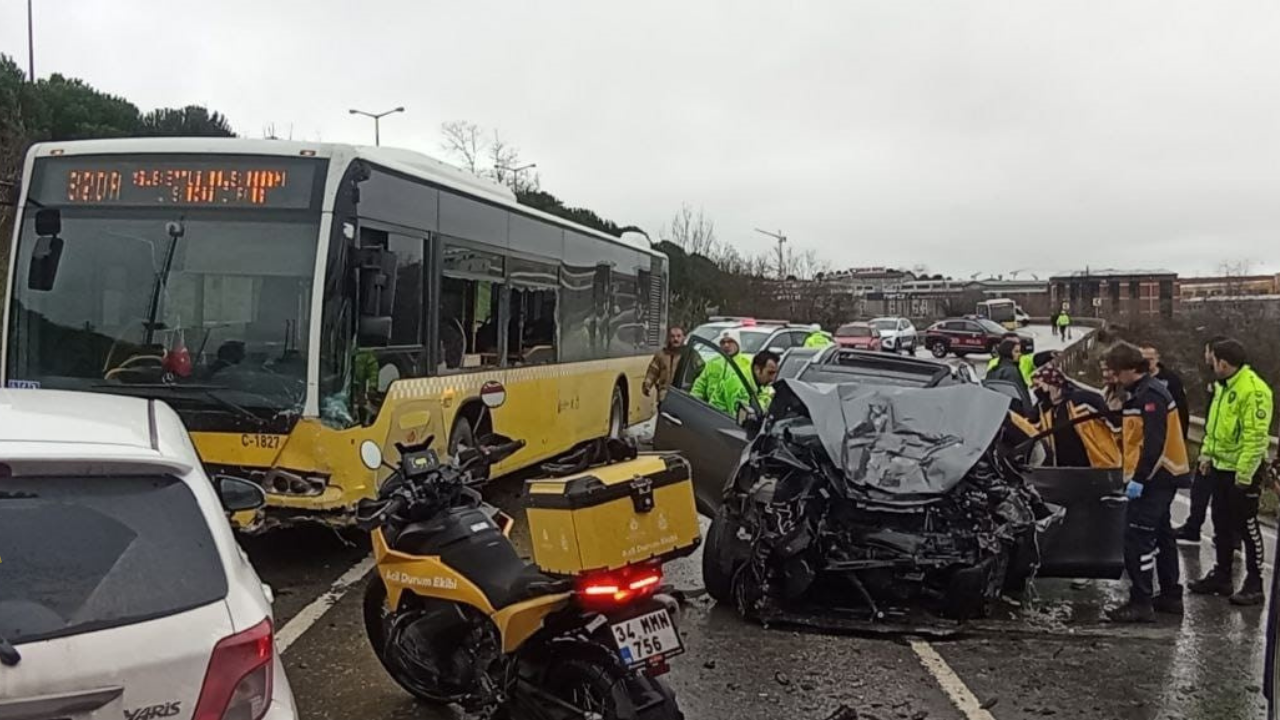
point(718, 564)
point(939, 350)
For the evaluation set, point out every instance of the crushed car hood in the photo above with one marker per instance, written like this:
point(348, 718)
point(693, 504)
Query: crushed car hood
point(897, 441)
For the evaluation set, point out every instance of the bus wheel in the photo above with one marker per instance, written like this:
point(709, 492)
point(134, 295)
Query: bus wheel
point(617, 415)
point(462, 436)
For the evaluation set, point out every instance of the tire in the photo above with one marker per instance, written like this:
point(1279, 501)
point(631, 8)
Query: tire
point(375, 627)
point(939, 350)
point(617, 415)
point(718, 565)
point(601, 687)
point(462, 435)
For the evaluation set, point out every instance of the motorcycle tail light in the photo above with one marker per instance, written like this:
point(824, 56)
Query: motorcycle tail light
point(238, 682)
point(618, 587)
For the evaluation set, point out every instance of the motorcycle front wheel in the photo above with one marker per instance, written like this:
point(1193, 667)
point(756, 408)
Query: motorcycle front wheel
point(609, 692)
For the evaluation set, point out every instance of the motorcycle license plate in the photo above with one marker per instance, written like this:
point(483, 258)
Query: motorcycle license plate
point(648, 637)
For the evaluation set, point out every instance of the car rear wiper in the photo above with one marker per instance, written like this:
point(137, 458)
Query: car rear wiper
point(8, 653)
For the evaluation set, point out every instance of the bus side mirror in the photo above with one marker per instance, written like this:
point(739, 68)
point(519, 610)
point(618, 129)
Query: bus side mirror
point(377, 295)
point(45, 257)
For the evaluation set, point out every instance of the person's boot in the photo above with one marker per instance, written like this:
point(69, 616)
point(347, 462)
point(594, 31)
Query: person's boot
point(1187, 534)
point(1250, 593)
point(1216, 582)
point(1134, 611)
point(1168, 603)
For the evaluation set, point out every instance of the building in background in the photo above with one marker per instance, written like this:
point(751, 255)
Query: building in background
point(1109, 293)
point(1238, 286)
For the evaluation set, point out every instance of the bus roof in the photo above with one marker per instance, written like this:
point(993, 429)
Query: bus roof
point(409, 162)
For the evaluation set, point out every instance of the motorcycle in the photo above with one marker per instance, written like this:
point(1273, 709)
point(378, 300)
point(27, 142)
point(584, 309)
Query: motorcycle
point(456, 617)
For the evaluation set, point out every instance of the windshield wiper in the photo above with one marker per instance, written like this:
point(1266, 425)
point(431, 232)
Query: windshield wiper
point(8, 653)
point(209, 391)
point(234, 407)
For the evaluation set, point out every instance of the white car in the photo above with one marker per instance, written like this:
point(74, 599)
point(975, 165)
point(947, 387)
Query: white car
point(123, 593)
point(755, 336)
point(897, 334)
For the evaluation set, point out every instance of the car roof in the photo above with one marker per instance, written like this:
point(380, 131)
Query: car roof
point(60, 425)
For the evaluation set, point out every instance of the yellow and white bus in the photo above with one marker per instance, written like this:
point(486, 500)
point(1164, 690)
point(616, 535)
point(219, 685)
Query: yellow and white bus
point(293, 300)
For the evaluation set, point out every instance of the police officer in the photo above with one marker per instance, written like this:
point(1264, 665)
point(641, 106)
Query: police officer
point(1236, 438)
point(818, 338)
point(1201, 488)
point(1154, 458)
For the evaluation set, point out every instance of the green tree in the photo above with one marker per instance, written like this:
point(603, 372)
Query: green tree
point(70, 109)
point(189, 121)
point(548, 203)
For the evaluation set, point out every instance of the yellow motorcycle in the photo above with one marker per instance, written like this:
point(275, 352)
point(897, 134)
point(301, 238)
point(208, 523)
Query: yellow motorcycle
point(458, 618)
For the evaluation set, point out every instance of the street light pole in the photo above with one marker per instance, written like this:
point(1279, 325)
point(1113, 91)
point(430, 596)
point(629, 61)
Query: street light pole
point(377, 118)
point(31, 45)
point(515, 173)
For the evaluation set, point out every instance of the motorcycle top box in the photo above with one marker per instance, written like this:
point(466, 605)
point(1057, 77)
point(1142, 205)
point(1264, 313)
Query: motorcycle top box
point(612, 516)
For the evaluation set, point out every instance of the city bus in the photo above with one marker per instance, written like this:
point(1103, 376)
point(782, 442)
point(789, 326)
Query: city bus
point(999, 310)
point(294, 301)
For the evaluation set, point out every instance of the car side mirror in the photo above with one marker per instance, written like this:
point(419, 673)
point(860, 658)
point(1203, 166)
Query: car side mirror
point(239, 495)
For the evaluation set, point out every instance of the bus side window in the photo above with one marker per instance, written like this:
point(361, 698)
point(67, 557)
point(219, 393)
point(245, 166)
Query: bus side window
point(531, 332)
point(469, 320)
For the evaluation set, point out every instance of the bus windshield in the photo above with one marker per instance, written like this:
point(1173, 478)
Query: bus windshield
point(224, 330)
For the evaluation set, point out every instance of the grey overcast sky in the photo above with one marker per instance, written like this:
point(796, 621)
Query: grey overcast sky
point(964, 136)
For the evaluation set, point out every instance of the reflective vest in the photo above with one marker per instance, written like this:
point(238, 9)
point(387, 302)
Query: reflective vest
point(1236, 433)
point(707, 386)
point(1026, 365)
point(817, 339)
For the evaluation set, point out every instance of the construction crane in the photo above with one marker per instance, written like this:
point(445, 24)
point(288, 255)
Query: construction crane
point(782, 262)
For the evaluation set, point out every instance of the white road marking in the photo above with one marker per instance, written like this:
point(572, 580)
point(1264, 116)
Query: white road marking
point(961, 696)
point(312, 613)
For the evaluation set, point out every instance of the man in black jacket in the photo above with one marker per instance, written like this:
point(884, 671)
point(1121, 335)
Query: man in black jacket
point(1172, 381)
point(1201, 488)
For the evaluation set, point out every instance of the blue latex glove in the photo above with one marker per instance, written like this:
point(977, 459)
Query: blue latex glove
point(1133, 490)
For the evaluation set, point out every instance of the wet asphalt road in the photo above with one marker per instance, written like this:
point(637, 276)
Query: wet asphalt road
point(1050, 657)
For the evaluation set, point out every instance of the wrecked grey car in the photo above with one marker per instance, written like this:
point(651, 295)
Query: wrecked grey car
point(877, 493)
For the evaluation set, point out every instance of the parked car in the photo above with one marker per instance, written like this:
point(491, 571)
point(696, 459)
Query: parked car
point(1089, 542)
point(897, 334)
point(859, 336)
point(125, 593)
point(776, 335)
point(969, 336)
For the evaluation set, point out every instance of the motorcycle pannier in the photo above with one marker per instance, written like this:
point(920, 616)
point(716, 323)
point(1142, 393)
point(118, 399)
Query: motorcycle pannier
point(613, 515)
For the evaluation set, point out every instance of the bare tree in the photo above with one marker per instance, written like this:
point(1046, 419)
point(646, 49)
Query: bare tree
point(464, 142)
point(695, 234)
point(1235, 273)
point(503, 158)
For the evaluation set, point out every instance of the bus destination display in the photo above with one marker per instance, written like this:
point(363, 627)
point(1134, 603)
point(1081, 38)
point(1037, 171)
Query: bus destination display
point(280, 183)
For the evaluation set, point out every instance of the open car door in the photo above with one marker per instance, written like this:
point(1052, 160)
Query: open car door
point(709, 439)
point(1090, 542)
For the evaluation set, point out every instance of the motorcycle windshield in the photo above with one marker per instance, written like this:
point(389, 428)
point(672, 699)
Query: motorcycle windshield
point(897, 442)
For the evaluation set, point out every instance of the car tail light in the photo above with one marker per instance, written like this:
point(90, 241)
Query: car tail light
point(238, 681)
point(619, 587)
